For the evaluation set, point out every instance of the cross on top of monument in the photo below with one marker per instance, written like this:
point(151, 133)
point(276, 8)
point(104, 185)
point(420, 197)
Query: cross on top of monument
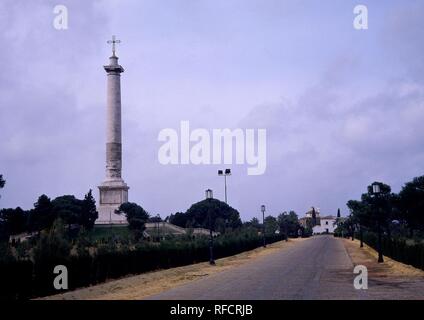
point(113, 42)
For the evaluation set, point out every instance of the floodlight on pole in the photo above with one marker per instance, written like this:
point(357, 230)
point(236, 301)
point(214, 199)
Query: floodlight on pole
point(263, 225)
point(209, 197)
point(225, 173)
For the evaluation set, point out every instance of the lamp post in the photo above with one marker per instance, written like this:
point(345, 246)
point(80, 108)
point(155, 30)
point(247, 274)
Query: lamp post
point(286, 231)
point(209, 197)
point(263, 225)
point(225, 173)
point(158, 226)
point(163, 229)
point(376, 191)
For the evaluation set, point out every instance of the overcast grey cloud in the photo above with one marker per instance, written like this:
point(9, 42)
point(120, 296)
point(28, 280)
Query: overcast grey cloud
point(342, 107)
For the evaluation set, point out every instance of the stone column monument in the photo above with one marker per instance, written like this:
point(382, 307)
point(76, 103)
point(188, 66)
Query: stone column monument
point(113, 191)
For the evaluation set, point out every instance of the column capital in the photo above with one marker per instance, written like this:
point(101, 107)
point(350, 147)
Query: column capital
point(114, 68)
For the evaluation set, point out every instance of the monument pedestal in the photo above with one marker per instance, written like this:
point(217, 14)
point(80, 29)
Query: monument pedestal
point(112, 194)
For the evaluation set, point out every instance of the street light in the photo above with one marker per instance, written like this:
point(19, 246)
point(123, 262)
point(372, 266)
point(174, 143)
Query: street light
point(224, 174)
point(209, 197)
point(263, 225)
point(376, 192)
point(158, 226)
point(285, 226)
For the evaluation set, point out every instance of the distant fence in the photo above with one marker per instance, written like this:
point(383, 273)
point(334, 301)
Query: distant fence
point(23, 279)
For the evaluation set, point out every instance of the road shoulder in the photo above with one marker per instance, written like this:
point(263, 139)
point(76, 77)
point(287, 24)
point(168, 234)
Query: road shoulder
point(389, 280)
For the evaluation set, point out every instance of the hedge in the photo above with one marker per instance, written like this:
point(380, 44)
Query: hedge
point(397, 248)
point(24, 279)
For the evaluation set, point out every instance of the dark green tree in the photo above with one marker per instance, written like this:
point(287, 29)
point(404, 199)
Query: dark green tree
point(68, 208)
point(308, 230)
point(379, 211)
point(155, 219)
point(135, 214)
point(343, 227)
point(198, 215)
point(179, 219)
point(254, 223)
point(14, 220)
point(378, 207)
point(411, 204)
point(314, 217)
point(289, 224)
point(252, 227)
point(89, 212)
point(271, 225)
point(42, 216)
point(359, 218)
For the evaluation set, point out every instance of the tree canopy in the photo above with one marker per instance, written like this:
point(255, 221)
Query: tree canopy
point(45, 212)
point(221, 216)
point(13, 221)
point(289, 223)
point(75, 211)
point(271, 225)
point(135, 214)
point(388, 209)
point(411, 203)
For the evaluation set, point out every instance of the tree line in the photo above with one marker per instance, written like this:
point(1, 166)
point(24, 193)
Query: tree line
point(286, 224)
point(68, 208)
point(220, 217)
point(398, 214)
point(209, 214)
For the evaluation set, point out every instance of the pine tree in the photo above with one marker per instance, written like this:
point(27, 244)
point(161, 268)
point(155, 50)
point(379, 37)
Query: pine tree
point(42, 216)
point(314, 217)
point(89, 212)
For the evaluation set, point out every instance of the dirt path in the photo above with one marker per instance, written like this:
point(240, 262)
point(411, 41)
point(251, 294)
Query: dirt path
point(144, 285)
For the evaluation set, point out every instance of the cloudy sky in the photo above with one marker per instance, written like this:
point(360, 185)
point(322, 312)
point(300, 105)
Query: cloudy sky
point(342, 107)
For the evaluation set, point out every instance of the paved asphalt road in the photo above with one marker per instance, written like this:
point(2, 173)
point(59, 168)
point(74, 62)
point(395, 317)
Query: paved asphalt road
point(316, 268)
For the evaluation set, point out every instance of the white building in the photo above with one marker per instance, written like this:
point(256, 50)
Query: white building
point(325, 224)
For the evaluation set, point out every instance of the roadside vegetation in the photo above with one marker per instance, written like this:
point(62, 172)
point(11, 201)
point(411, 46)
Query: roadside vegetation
point(391, 223)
